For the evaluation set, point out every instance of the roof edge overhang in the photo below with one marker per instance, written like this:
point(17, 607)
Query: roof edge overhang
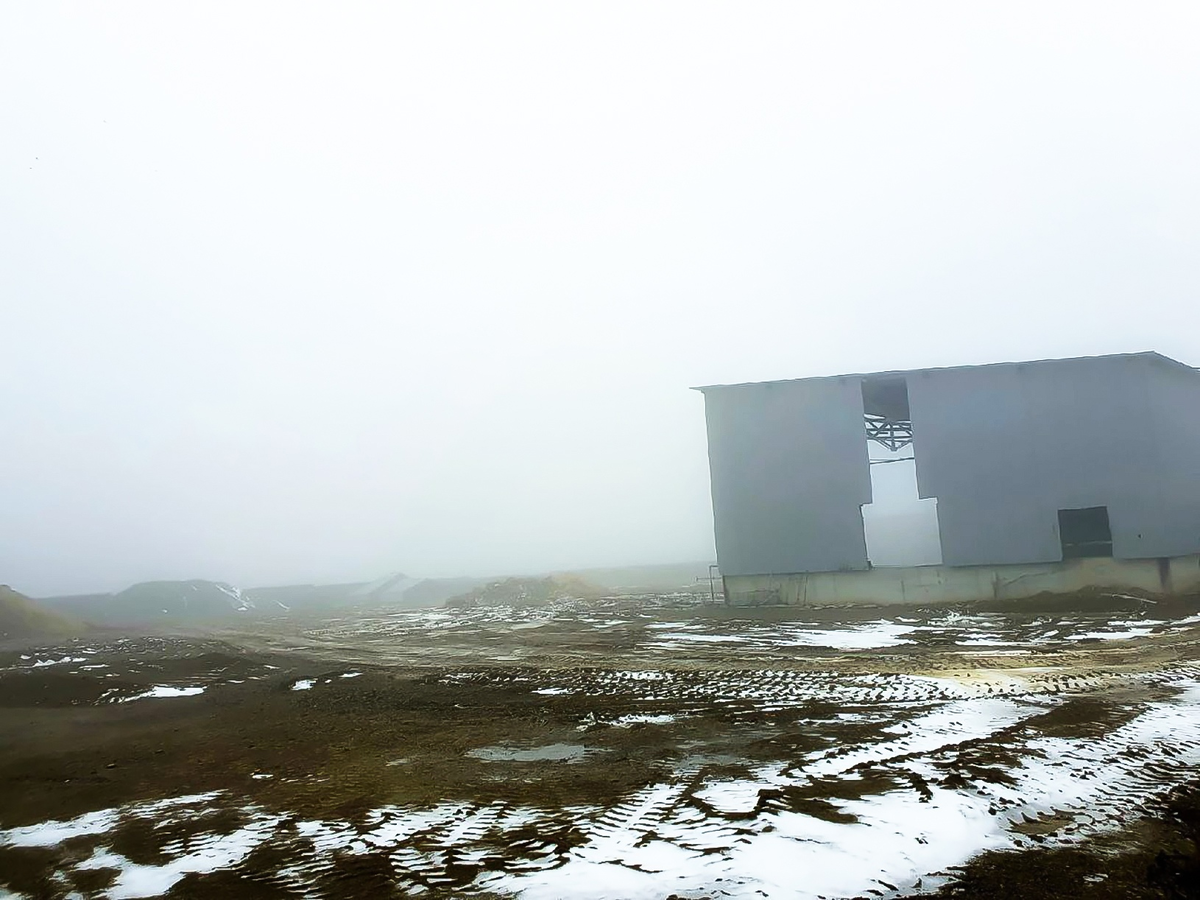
point(894, 373)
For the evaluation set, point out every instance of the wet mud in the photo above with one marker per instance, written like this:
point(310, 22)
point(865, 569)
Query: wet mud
point(618, 748)
point(1157, 857)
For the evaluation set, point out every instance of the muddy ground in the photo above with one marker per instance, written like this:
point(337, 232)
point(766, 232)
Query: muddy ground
point(634, 747)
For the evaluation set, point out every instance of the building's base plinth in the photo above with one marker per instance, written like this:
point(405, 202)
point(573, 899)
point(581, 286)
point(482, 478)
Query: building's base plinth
point(1175, 576)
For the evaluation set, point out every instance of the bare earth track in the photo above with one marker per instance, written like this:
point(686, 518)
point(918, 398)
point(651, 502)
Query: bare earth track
point(634, 747)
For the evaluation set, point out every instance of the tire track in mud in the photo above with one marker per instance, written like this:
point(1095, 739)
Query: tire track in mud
point(1007, 759)
point(1013, 754)
point(1134, 775)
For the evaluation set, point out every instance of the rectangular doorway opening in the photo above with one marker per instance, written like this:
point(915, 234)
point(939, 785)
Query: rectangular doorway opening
point(900, 528)
point(1085, 532)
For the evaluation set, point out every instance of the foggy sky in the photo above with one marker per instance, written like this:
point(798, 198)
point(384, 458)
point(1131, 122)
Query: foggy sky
point(318, 292)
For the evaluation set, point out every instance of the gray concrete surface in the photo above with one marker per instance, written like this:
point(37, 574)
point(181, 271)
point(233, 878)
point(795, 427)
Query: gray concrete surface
point(1001, 447)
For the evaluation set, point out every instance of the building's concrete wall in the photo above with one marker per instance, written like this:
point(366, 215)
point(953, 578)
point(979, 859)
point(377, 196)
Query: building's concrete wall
point(1172, 527)
point(966, 584)
point(1003, 448)
point(789, 471)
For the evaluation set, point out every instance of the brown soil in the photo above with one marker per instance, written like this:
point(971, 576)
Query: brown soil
point(409, 728)
point(1155, 858)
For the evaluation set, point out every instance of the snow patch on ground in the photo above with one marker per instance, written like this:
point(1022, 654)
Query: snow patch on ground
point(42, 663)
point(870, 636)
point(50, 834)
point(162, 690)
point(201, 855)
point(631, 720)
point(1122, 635)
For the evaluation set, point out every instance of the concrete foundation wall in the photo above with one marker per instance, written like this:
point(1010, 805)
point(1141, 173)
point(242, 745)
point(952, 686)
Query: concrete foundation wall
point(946, 584)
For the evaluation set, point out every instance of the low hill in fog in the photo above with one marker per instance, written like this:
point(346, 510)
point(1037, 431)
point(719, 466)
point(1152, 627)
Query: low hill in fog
point(157, 601)
point(200, 601)
point(526, 592)
point(23, 619)
point(638, 579)
point(396, 591)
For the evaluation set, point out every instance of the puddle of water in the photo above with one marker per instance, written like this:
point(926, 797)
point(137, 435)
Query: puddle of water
point(547, 752)
point(304, 684)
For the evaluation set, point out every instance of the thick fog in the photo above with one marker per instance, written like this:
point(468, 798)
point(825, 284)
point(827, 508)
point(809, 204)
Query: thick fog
point(317, 292)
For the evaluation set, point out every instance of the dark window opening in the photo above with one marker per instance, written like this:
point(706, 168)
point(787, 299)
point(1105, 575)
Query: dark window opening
point(885, 410)
point(1085, 532)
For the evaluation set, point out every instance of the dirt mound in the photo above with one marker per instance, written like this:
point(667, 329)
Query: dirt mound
point(527, 592)
point(22, 619)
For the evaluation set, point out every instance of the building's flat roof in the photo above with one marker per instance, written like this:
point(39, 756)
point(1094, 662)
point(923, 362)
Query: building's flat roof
point(1145, 354)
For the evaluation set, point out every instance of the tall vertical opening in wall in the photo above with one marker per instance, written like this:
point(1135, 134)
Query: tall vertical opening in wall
point(901, 529)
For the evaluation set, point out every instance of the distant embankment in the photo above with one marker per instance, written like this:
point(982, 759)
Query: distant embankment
point(200, 601)
point(527, 592)
point(646, 579)
point(155, 601)
point(22, 619)
point(582, 584)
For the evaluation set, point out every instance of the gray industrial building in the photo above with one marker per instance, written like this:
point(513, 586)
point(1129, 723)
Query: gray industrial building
point(1052, 475)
